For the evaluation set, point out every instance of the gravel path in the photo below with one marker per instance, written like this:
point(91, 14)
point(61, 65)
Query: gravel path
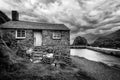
point(97, 70)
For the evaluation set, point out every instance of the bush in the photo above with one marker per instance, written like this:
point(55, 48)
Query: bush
point(10, 40)
point(46, 60)
point(80, 41)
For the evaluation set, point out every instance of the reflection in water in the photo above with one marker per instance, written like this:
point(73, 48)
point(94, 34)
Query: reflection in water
point(95, 56)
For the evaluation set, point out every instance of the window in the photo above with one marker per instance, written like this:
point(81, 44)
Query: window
point(56, 35)
point(20, 33)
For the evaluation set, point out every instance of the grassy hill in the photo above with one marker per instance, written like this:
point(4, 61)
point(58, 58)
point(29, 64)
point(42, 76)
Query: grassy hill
point(3, 17)
point(111, 40)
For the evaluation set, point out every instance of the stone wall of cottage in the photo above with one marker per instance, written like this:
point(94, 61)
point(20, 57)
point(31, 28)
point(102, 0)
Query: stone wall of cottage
point(48, 38)
point(57, 44)
point(28, 42)
point(25, 43)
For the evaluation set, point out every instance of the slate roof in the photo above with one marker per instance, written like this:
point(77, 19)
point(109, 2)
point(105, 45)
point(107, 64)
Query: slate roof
point(33, 25)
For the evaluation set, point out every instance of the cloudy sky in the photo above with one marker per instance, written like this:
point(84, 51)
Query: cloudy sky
point(87, 18)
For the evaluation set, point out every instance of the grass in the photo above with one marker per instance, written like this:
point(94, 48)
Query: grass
point(45, 72)
point(97, 70)
point(80, 69)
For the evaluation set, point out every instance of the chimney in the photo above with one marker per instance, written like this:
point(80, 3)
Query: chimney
point(15, 16)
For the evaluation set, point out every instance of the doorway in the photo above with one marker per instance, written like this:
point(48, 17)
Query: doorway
point(37, 38)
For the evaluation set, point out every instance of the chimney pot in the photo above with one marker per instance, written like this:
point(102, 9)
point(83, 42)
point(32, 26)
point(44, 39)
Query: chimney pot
point(15, 15)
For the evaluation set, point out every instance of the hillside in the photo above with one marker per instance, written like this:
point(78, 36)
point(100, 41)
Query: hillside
point(3, 17)
point(110, 41)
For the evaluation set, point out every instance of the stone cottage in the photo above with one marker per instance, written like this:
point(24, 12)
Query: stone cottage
point(38, 35)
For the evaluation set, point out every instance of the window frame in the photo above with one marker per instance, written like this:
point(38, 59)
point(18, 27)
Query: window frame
point(57, 35)
point(21, 37)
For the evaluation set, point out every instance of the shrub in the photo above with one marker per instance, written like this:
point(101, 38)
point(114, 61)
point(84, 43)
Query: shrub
point(10, 40)
point(80, 41)
point(46, 60)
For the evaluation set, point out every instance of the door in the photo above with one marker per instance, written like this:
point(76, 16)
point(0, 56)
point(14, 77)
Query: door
point(37, 38)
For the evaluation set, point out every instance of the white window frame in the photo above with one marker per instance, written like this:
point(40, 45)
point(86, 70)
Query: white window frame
point(22, 37)
point(57, 35)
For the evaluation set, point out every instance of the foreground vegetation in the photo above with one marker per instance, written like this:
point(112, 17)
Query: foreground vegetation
point(45, 72)
point(14, 66)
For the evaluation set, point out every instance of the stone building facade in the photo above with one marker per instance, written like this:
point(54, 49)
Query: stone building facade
point(39, 35)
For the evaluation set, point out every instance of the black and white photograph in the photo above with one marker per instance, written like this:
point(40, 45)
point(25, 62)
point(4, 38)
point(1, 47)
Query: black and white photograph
point(59, 39)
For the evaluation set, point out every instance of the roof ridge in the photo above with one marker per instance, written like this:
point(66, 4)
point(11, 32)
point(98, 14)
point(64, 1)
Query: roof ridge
point(38, 22)
point(33, 25)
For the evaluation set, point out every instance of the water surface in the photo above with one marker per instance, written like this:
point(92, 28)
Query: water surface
point(96, 56)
